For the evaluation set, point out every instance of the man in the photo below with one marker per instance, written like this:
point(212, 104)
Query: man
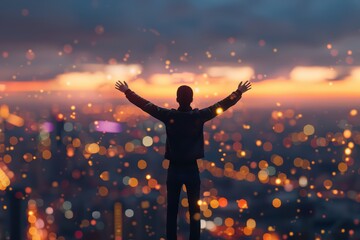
point(184, 145)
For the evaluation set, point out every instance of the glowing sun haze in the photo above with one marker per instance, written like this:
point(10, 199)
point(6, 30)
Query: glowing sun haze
point(304, 84)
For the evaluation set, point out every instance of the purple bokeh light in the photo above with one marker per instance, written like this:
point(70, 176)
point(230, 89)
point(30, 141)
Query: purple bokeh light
point(106, 126)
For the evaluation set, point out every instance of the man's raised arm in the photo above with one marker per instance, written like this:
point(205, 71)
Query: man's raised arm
point(219, 107)
point(145, 105)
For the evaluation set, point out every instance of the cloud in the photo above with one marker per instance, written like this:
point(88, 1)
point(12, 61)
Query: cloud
point(175, 78)
point(116, 71)
point(80, 81)
point(96, 77)
point(312, 74)
point(229, 72)
point(354, 76)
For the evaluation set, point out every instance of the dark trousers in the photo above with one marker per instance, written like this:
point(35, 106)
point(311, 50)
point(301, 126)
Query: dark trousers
point(177, 176)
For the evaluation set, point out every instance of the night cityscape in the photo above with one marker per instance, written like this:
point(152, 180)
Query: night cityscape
point(278, 173)
point(79, 161)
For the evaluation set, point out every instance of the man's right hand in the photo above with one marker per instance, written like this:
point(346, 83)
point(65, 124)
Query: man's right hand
point(122, 87)
point(244, 87)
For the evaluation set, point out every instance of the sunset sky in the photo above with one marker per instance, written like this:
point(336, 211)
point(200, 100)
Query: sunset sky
point(291, 51)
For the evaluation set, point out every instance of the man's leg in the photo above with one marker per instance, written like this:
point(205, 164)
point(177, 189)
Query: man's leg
point(173, 193)
point(193, 192)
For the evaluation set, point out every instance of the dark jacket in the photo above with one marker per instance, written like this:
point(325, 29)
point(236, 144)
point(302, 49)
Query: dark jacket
point(184, 127)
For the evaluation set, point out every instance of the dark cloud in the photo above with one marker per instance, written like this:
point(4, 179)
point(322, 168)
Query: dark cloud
point(152, 30)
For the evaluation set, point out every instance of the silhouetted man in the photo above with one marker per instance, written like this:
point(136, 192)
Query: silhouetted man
point(184, 145)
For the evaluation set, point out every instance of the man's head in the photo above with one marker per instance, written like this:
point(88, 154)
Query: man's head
point(184, 95)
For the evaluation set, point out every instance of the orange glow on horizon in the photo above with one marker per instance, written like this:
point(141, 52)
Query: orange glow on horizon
point(164, 86)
